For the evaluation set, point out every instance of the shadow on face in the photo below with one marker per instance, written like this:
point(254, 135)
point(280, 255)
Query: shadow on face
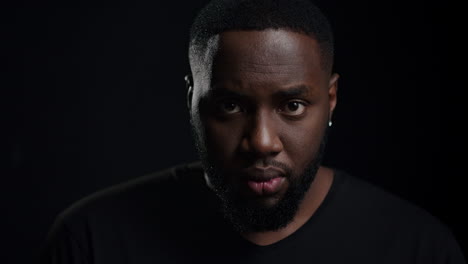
point(266, 103)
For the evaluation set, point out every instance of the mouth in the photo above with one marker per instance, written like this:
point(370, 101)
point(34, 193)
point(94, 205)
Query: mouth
point(264, 181)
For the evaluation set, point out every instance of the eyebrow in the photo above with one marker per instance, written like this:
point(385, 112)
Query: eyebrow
point(293, 91)
point(225, 93)
point(289, 92)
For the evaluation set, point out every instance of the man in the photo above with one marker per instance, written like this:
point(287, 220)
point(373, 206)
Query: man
point(261, 98)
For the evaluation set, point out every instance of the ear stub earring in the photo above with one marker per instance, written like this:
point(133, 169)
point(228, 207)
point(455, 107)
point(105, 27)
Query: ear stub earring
point(330, 123)
point(188, 80)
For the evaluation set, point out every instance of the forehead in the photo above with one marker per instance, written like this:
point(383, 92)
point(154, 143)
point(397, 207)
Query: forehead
point(277, 57)
point(268, 47)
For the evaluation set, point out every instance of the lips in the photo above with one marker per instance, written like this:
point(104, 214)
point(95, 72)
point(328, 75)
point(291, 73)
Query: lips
point(264, 181)
point(269, 187)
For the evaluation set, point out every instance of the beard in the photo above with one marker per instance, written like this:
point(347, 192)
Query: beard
point(244, 214)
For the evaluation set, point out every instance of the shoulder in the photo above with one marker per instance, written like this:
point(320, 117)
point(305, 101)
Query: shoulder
point(148, 192)
point(379, 215)
point(378, 203)
point(141, 210)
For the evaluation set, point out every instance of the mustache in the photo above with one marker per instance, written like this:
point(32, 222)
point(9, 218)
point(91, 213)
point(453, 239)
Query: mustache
point(274, 163)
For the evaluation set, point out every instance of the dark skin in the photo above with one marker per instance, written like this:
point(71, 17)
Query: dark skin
point(266, 97)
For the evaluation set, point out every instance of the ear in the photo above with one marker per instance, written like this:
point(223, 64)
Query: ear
point(332, 93)
point(189, 85)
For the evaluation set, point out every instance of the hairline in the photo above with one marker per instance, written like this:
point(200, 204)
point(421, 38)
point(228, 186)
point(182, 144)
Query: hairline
point(205, 49)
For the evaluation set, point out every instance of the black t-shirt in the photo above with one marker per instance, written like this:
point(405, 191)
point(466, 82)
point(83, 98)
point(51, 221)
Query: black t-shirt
point(173, 217)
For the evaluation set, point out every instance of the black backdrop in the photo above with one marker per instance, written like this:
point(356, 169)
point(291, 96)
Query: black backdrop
point(95, 96)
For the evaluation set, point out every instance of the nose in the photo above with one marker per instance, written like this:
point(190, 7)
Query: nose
point(261, 136)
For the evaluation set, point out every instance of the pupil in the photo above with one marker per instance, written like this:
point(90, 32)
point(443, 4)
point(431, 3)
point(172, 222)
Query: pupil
point(293, 106)
point(230, 106)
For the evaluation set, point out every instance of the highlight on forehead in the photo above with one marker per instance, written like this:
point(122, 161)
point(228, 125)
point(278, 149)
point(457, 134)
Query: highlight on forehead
point(268, 48)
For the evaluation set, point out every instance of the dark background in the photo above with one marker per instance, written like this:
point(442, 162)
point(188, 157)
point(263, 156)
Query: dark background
point(95, 96)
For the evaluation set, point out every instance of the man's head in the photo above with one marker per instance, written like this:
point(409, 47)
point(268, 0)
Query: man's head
point(260, 100)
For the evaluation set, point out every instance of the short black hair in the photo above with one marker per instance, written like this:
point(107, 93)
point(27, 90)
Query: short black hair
point(301, 16)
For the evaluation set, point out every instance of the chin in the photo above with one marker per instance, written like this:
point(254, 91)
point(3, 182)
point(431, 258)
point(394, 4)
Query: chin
point(268, 202)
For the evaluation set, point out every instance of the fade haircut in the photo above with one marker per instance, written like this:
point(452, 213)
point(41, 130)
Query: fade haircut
point(300, 16)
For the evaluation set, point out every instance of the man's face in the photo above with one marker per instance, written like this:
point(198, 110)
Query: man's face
point(260, 113)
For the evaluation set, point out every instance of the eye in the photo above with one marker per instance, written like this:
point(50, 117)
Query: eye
point(293, 108)
point(229, 108)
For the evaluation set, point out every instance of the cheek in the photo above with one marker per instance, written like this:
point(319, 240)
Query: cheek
point(302, 140)
point(222, 138)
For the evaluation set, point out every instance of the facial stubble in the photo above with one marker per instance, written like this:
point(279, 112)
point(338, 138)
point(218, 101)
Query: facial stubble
point(245, 215)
